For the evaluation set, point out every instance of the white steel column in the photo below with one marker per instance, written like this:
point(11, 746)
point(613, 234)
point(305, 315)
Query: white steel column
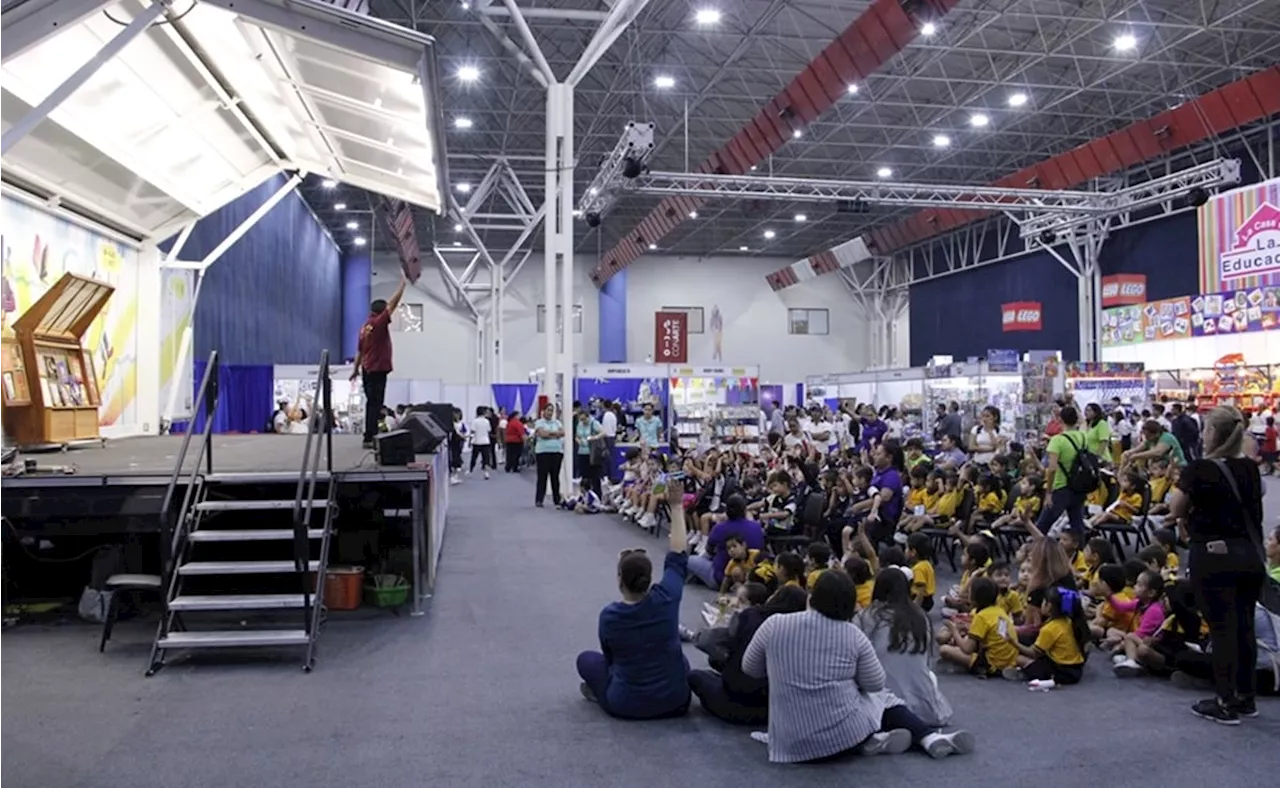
point(564, 215)
point(550, 246)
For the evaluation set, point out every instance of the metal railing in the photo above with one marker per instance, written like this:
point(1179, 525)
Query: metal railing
point(321, 420)
point(173, 527)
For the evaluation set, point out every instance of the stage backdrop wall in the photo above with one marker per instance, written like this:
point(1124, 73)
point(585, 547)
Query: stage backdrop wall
point(38, 247)
point(275, 297)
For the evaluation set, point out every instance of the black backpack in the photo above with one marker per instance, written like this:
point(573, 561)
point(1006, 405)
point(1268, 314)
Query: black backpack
point(1085, 471)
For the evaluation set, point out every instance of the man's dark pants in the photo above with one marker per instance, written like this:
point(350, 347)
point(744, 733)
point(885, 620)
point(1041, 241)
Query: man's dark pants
point(375, 392)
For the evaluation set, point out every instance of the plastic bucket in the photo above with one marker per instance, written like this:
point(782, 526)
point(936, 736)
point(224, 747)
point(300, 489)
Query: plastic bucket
point(343, 587)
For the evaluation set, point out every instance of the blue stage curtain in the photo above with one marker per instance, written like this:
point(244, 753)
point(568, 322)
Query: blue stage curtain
point(244, 397)
point(505, 395)
point(528, 401)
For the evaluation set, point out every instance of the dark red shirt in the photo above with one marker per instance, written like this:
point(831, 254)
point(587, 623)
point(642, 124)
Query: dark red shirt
point(375, 343)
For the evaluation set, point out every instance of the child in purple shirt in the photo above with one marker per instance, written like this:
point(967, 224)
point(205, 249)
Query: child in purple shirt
point(1148, 606)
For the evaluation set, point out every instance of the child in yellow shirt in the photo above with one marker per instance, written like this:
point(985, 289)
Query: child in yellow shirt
point(1126, 506)
point(990, 647)
point(1010, 599)
point(1028, 496)
point(742, 562)
point(863, 582)
point(991, 500)
point(923, 579)
point(1167, 539)
point(817, 561)
point(1097, 551)
point(1111, 582)
point(941, 499)
point(1057, 656)
point(975, 560)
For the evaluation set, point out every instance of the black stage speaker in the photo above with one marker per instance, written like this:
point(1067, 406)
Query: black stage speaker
point(442, 412)
point(393, 448)
point(426, 431)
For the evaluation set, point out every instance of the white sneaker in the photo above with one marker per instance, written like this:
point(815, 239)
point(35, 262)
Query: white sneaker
point(1128, 669)
point(1117, 659)
point(940, 745)
point(454, 480)
point(648, 522)
point(1041, 685)
point(891, 742)
point(486, 474)
point(760, 736)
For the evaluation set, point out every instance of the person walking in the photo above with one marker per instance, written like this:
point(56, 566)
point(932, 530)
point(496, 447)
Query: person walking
point(1218, 502)
point(513, 436)
point(548, 453)
point(482, 437)
point(1063, 449)
point(373, 359)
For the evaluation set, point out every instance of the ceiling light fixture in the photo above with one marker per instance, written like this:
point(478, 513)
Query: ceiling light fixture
point(339, 206)
point(358, 241)
point(884, 172)
point(743, 249)
point(462, 123)
point(693, 214)
point(352, 225)
point(753, 168)
point(1125, 42)
point(797, 134)
point(707, 16)
point(457, 243)
point(769, 235)
point(468, 73)
point(457, 228)
point(928, 29)
point(1018, 99)
point(463, 187)
point(329, 183)
point(652, 247)
point(941, 141)
point(593, 191)
point(852, 90)
point(801, 217)
point(979, 121)
point(664, 82)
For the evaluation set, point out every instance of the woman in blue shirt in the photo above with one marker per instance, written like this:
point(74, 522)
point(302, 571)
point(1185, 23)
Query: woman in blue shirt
point(587, 433)
point(650, 427)
point(548, 453)
point(640, 671)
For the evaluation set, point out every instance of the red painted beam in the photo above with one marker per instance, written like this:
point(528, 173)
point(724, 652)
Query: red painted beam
point(875, 37)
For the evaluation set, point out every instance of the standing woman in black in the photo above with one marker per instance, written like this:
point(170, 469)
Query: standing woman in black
point(1218, 502)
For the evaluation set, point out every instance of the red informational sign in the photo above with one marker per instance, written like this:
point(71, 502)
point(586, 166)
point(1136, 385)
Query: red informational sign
point(1020, 316)
point(1124, 290)
point(671, 337)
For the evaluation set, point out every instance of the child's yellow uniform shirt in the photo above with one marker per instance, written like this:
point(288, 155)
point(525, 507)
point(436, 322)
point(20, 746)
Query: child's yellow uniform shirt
point(812, 578)
point(1098, 497)
point(1012, 602)
point(1078, 564)
point(746, 565)
point(947, 504)
point(993, 628)
point(924, 581)
point(764, 572)
point(1114, 618)
point(863, 591)
point(1028, 505)
point(1127, 505)
point(1057, 641)
point(931, 499)
point(1089, 576)
point(917, 497)
point(1171, 561)
point(1160, 488)
point(991, 504)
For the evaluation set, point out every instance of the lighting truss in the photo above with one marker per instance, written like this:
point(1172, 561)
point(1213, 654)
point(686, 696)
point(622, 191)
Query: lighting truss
point(623, 163)
point(1148, 194)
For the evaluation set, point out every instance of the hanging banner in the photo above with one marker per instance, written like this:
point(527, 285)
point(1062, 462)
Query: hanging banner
point(671, 337)
point(1240, 239)
point(1236, 311)
point(1002, 360)
point(1123, 290)
point(1020, 316)
point(1168, 319)
point(398, 217)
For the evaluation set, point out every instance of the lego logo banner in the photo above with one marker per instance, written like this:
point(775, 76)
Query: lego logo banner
point(1124, 290)
point(671, 337)
point(1020, 316)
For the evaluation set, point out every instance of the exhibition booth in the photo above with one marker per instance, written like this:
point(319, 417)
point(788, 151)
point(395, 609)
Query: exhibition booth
point(903, 389)
point(716, 406)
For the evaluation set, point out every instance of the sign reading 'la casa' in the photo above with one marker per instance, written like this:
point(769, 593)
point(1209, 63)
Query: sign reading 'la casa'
point(1255, 246)
point(1021, 316)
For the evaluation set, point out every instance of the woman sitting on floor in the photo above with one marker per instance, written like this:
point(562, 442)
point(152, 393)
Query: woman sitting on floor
point(640, 671)
point(827, 688)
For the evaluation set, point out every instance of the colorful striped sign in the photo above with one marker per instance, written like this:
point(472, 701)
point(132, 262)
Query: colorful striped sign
point(1240, 239)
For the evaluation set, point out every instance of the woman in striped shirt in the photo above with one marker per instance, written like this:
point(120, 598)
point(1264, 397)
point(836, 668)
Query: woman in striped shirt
point(827, 691)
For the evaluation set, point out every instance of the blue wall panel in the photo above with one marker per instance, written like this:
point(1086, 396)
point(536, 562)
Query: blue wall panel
point(357, 289)
point(959, 315)
point(275, 297)
point(613, 320)
point(1165, 250)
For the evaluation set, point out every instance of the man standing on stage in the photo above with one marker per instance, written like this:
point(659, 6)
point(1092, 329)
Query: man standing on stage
point(373, 359)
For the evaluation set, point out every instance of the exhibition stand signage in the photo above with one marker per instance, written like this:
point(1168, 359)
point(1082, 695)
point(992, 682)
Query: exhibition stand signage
point(1123, 290)
point(671, 337)
point(1021, 316)
point(1228, 312)
point(1240, 238)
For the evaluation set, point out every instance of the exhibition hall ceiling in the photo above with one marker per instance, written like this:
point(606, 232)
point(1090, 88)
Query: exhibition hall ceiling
point(993, 86)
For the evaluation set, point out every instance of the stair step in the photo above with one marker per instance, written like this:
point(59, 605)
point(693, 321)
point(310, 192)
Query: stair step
point(255, 506)
point(233, 638)
point(261, 477)
point(242, 567)
point(237, 602)
point(250, 535)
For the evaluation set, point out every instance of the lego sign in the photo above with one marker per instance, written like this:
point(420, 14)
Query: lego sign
point(1020, 316)
point(671, 337)
point(1124, 290)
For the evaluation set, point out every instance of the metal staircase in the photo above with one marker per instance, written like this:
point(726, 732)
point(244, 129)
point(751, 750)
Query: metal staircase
point(243, 564)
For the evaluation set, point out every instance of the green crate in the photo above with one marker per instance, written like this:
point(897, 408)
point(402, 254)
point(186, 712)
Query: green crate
point(387, 595)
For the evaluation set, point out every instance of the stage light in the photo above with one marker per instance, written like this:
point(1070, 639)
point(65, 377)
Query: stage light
point(457, 243)
point(353, 225)
point(664, 82)
point(1018, 99)
point(593, 219)
point(941, 141)
point(707, 16)
point(1125, 42)
point(468, 73)
point(339, 206)
point(769, 235)
point(884, 172)
point(1197, 197)
point(358, 241)
point(462, 123)
point(979, 121)
point(928, 29)
point(329, 183)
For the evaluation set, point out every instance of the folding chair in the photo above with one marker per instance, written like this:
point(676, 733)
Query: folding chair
point(1118, 533)
point(943, 542)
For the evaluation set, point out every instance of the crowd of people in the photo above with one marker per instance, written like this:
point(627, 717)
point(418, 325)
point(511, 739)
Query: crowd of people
point(823, 549)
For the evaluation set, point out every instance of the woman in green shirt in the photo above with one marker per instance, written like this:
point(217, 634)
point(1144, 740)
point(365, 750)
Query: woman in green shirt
point(548, 453)
point(1097, 432)
point(1156, 442)
point(586, 432)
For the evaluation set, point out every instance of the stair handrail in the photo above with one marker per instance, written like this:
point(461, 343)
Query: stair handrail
point(206, 395)
point(307, 478)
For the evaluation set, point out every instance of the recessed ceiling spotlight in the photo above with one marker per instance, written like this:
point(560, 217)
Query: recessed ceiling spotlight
point(1018, 99)
point(463, 187)
point(466, 6)
point(884, 172)
point(664, 82)
point(743, 249)
point(707, 16)
point(577, 214)
point(352, 225)
point(769, 235)
point(753, 168)
point(797, 134)
point(941, 141)
point(329, 183)
point(468, 73)
point(979, 121)
point(693, 214)
point(1125, 42)
point(928, 29)
point(801, 217)
point(339, 206)
point(593, 191)
point(457, 243)
point(652, 247)
point(457, 228)
point(852, 90)
point(358, 241)
point(462, 123)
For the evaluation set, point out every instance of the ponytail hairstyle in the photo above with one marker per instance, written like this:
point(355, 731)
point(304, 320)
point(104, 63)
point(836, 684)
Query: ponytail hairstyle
point(1224, 430)
point(1066, 603)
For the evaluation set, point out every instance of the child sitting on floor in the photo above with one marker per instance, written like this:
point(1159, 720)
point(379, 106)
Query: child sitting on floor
point(988, 649)
point(1128, 504)
point(1180, 631)
point(742, 562)
point(1149, 614)
point(864, 582)
point(923, 578)
point(1110, 585)
point(817, 560)
point(1011, 599)
point(1057, 656)
point(1097, 551)
point(975, 560)
point(1168, 540)
point(583, 501)
point(1071, 546)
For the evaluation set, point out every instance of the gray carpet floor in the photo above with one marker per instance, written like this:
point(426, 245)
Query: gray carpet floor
point(482, 692)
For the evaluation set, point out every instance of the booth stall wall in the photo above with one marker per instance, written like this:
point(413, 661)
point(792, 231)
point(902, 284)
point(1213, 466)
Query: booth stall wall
point(41, 243)
point(631, 385)
point(716, 406)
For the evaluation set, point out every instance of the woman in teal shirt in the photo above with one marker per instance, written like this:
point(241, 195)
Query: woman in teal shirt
point(650, 427)
point(1097, 433)
point(586, 432)
point(548, 454)
point(1156, 442)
